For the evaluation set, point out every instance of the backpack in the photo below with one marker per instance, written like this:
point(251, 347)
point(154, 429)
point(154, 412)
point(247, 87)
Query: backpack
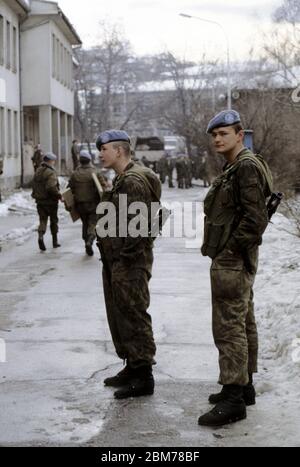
point(149, 178)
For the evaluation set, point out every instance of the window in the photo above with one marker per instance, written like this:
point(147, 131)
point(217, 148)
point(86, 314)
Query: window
point(1, 40)
point(16, 133)
point(8, 45)
point(9, 133)
point(2, 132)
point(53, 56)
point(61, 63)
point(57, 60)
point(15, 49)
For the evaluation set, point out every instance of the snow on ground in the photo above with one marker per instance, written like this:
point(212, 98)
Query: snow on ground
point(18, 216)
point(277, 299)
point(20, 202)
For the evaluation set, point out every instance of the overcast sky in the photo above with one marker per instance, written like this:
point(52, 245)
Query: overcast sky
point(153, 26)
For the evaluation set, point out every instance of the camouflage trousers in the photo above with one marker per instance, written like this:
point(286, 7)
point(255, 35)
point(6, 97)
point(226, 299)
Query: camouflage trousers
point(127, 299)
point(88, 216)
point(44, 212)
point(234, 326)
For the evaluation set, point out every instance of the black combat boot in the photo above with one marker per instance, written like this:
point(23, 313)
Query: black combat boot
point(121, 379)
point(248, 394)
point(55, 242)
point(141, 384)
point(229, 410)
point(89, 246)
point(41, 242)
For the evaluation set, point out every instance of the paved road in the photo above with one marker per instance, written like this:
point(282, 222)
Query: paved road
point(59, 350)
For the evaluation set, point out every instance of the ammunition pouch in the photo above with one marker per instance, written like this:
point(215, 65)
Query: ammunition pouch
point(216, 237)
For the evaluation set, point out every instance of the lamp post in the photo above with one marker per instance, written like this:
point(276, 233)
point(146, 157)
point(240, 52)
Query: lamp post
point(229, 101)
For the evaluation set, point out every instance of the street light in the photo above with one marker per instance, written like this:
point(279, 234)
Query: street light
point(184, 15)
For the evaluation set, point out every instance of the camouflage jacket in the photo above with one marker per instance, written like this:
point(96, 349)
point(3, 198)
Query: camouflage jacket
point(45, 185)
point(123, 246)
point(235, 208)
point(83, 186)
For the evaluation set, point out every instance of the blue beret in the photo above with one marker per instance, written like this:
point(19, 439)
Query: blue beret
point(224, 118)
point(85, 155)
point(110, 136)
point(49, 156)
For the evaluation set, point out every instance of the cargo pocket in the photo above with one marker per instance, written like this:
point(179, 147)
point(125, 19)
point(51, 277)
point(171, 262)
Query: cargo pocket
point(213, 234)
point(227, 276)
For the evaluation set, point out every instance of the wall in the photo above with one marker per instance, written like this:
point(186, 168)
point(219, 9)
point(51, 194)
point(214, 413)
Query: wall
point(10, 148)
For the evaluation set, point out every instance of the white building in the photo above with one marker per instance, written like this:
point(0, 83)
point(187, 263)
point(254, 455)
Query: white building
point(37, 85)
point(12, 13)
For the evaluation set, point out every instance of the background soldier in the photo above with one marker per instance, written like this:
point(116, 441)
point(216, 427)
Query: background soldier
point(236, 218)
point(127, 268)
point(37, 158)
point(162, 168)
point(169, 169)
point(86, 198)
point(182, 172)
point(75, 154)
point(1, 172)
point(204, 170)
point(46, 193)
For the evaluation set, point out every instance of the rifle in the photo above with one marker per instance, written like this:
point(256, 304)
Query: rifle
point(273, 203)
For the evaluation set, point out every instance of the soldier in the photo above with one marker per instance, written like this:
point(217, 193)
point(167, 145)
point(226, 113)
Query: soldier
point(46, 193)
point(37, 158)
point(162, 168)
point(236, 218)
point(127, 268)
point(86, 198)
point(145, 161)
point(181, 168)
point(75, 154)
point(170, 168)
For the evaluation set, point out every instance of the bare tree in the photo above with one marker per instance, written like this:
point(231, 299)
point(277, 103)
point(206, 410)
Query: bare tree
point(104, 77)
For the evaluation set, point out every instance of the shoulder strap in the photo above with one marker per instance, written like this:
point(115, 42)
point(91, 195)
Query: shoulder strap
point(259, 163)
point(142, 177)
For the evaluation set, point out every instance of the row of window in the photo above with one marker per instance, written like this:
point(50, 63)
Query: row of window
point(8, 44)
point(62, 64)
point(9, 132)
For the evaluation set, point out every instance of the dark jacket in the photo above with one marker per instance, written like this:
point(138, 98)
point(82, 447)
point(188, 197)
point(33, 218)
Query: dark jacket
point(46, 185)
point(235, 209)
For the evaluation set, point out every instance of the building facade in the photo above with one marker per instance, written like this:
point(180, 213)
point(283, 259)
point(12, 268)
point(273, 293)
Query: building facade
point(12, 13)
point(36, 76)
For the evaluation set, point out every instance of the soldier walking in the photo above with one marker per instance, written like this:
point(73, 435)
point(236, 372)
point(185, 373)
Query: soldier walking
point(127, 268)
point(46, 194)
point(37, 157)
point(86, 198)
point(236, 218)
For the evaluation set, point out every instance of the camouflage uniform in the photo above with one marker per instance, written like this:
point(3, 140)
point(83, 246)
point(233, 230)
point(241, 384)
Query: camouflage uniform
point(182, 172)
point(75, 155)
point(46, 193)
point(37, 159)
point(236, 218)
point(162, 169)
point(170, 168)
point(86, 198)
point(127, 268)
